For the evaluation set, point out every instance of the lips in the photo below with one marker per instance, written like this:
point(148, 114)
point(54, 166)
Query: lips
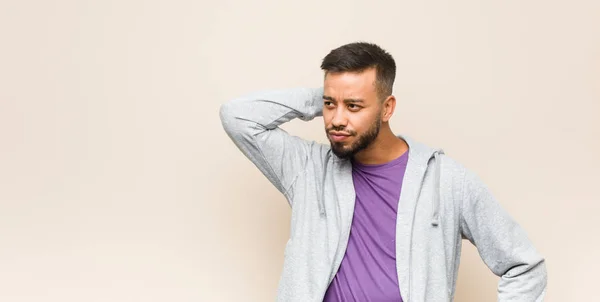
point(338, 136)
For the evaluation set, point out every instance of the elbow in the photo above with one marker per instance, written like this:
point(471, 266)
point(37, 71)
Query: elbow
point(225, 111)
point(525, 282)
point(535, 266)
point(233, 122)
point(227, 117)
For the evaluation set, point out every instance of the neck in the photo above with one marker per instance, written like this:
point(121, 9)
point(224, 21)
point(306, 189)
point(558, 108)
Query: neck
point(385, 148)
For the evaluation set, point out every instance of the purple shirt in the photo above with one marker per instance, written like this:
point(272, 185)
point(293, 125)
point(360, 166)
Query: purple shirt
point(368, 269)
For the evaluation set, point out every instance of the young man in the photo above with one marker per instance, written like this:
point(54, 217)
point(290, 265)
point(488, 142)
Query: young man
point(375, 216)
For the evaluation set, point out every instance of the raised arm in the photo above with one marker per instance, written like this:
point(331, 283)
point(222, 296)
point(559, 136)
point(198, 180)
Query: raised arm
point(252, 122)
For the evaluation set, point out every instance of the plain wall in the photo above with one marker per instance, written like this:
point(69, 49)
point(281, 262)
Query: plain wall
point(117, 182)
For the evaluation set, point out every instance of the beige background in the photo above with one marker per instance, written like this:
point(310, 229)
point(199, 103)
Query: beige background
point(117, 182)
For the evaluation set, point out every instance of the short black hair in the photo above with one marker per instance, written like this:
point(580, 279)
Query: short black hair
point(359, 56)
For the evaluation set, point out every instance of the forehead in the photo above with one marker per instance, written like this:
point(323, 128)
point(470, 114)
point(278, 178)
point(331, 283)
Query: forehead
point(351, 84)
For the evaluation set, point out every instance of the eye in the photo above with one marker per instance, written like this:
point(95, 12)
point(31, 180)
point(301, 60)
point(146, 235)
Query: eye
point(353, 106)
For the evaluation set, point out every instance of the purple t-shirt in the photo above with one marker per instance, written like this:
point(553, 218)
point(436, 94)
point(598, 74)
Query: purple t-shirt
point(368, 269)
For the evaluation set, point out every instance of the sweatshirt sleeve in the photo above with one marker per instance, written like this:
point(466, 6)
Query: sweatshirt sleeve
point(502, 244)
point(252, 123)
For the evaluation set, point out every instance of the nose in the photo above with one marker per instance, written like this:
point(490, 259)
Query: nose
point(339, 119)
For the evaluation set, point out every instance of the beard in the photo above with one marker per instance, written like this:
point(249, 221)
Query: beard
point(345, 151)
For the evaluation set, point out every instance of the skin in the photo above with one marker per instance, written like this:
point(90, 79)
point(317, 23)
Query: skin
point(351, 105)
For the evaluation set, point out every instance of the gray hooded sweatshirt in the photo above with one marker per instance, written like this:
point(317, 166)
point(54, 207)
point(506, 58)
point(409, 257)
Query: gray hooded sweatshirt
point(441, 204)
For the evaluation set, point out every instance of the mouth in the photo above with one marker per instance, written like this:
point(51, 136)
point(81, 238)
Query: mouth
point(338, 137)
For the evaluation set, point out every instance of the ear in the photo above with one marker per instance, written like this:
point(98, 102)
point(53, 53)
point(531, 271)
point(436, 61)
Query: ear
point(388, 108)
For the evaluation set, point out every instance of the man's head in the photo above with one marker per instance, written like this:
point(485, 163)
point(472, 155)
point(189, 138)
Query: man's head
point(359, 79)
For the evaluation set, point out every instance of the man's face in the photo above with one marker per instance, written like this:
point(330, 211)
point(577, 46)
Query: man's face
point(352, 110)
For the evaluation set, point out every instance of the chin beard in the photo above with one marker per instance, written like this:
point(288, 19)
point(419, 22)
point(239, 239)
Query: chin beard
point(339, 151)
point(362, 142)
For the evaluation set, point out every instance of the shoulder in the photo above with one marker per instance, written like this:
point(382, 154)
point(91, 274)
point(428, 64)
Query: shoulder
point(465, 181)
point(452, 166)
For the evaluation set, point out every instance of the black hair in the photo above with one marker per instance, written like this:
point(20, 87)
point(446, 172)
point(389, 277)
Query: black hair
point(359, 56)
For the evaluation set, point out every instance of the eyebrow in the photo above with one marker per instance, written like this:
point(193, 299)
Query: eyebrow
point(329, 98)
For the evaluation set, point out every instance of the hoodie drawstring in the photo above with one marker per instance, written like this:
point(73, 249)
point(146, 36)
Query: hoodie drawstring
point(436, 188)
point(321, 200)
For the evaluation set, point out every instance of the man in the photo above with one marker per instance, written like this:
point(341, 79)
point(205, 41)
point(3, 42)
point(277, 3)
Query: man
point(375, 216)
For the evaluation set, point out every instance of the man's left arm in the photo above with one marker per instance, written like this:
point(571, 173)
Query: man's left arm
point(502, 244)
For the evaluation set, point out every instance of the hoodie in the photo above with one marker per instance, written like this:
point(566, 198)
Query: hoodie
point(441, 203)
